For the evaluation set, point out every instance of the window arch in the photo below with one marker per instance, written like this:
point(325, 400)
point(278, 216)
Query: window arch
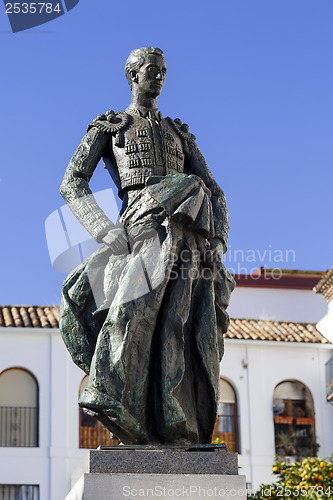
point(226, 426)
point(91, 432)
point(294, 422)
point(18, 408)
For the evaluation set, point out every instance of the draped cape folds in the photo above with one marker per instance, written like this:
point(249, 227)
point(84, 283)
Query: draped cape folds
point(147, 325)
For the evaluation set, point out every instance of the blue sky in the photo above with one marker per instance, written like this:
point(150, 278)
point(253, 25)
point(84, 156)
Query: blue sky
point(254, 80)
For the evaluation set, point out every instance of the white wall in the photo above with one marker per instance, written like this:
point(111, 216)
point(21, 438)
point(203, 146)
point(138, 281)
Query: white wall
point(325, 325)
point(42, 352)
point(277, 304)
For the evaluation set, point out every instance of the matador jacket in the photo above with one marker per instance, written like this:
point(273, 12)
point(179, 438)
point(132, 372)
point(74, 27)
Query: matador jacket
point(135, 147)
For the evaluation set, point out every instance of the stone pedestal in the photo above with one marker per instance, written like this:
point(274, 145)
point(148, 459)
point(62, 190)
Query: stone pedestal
point(166, 472)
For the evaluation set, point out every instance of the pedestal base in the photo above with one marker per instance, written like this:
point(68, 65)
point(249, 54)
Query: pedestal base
point(171, 486)
point(158, 473)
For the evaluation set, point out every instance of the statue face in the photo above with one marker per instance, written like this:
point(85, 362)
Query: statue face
point(151, 76)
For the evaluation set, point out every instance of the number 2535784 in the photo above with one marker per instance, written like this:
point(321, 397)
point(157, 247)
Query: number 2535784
point(32, 8)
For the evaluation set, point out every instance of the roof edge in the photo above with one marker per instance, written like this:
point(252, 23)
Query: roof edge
point(279, 278)
point(325, 285)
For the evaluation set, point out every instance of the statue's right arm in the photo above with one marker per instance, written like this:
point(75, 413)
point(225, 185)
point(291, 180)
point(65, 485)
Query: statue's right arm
point(75, 185)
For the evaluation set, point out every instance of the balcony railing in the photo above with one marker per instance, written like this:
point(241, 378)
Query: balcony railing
point(18, 426)
point(93, 433)
point(19, 491)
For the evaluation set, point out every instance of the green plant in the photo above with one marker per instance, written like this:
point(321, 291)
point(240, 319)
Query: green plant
point(286, 444)
point(297, 446)
point(310, 479)
point(218, 440)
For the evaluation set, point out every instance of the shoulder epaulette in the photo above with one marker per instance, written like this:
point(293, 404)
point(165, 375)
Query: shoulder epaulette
point(111, 123)
point(182, 129)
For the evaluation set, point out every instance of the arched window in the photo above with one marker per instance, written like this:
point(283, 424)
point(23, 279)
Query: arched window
point(226, 426)
point(294, 423)
point(18, 408)
point(92, 433)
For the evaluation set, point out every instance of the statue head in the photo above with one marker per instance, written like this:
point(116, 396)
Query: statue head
point(146, 69)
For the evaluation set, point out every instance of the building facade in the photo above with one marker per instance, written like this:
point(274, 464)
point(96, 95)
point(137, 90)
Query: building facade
point(273, 387)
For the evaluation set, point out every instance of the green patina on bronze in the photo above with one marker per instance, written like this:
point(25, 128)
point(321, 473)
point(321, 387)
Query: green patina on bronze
point(145, 314)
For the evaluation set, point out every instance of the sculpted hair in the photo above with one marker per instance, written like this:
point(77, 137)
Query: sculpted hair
point(137, 58)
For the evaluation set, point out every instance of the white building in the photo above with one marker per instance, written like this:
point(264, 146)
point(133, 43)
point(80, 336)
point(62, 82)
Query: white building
point(280, 344)
point(273, 361)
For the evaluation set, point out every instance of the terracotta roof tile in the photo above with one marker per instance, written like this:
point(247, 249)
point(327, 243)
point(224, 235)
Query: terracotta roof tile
point(52, 316)
point(16, 317)
point(279, 331)
point(243, 329)
point(33, 316)
point(42, 317)
point(25, 317)
point(8, 319)
point(29, 316)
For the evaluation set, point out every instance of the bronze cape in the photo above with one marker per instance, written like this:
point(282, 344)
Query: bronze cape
point(147, 326)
